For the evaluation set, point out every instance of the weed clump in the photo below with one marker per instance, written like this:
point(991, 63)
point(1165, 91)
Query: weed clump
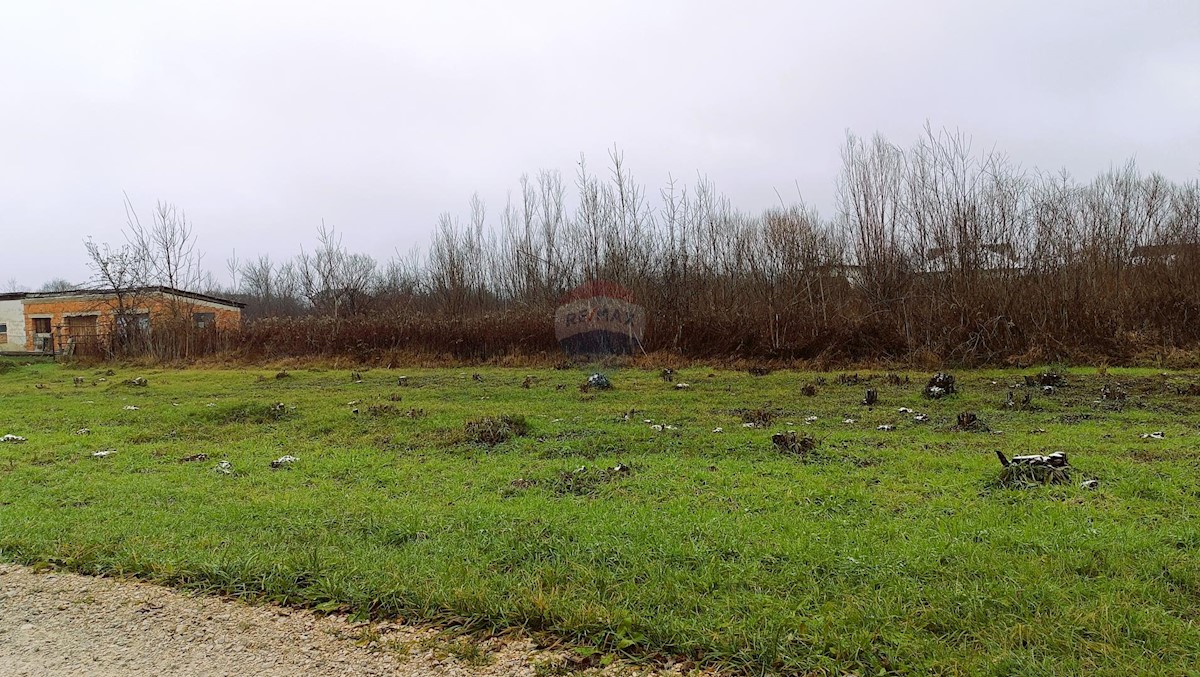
point(596, 382)
point(969, 421)
point(492, 430)
point(761, 417)
point(1191, 390)
point(791, 443)
point(584, 481)
point(1116, 393)
point(382, 410)
point(940, 385)
point(1023, 404)
point(1052, 379)
point(468, 651)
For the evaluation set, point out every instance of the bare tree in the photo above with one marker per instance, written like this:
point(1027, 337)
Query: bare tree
point(167, 253)
point(120, 272)
point(58, 284)
point(871, 203)
point(333, 280)
point(234, 267)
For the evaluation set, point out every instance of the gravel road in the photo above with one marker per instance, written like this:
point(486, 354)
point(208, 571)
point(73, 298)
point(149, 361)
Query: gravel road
point(67, 624)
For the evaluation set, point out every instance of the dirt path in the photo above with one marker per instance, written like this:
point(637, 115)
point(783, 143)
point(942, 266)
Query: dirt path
point(67, 624)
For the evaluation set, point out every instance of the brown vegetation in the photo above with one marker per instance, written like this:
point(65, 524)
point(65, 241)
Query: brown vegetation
point(934, 254)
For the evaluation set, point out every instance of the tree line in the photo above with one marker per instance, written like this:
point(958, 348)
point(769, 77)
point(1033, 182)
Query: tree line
point(933, 250)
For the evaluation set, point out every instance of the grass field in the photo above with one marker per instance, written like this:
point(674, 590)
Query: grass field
point(879, 552)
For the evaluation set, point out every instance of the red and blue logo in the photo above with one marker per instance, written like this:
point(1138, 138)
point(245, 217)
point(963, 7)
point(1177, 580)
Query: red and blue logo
point(599, 318)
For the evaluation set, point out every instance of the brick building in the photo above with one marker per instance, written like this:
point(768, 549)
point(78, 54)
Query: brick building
point(46, 322)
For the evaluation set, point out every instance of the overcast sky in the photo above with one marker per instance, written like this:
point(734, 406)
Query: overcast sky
point(262, 118)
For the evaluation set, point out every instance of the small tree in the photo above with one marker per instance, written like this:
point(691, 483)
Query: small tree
point(168, 254)
point(162, 253)
point(120, 273)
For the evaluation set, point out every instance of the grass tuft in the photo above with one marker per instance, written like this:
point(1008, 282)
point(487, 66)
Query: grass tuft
point(493, 430)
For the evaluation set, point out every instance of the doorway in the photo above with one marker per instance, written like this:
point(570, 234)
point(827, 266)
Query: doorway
point(82, 334)
point(43, 339)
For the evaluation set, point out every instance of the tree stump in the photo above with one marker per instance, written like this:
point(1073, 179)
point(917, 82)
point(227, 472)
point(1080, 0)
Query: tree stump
point(968, 421)
point(940, 385)
point(1028, 471)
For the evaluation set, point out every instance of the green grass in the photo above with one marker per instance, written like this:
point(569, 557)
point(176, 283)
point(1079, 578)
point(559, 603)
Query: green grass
point(878, 552)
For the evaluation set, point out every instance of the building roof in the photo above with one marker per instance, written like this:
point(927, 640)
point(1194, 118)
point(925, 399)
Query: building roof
point(13, 296)
point(986, 256)
point(1158, 251)
point(137, 290)
point(992, 251)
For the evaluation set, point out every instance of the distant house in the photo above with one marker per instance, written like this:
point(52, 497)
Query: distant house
point(1165, 253)
point(49, 322)
point(990, 257)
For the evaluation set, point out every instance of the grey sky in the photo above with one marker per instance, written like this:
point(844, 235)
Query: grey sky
point(262, 118)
